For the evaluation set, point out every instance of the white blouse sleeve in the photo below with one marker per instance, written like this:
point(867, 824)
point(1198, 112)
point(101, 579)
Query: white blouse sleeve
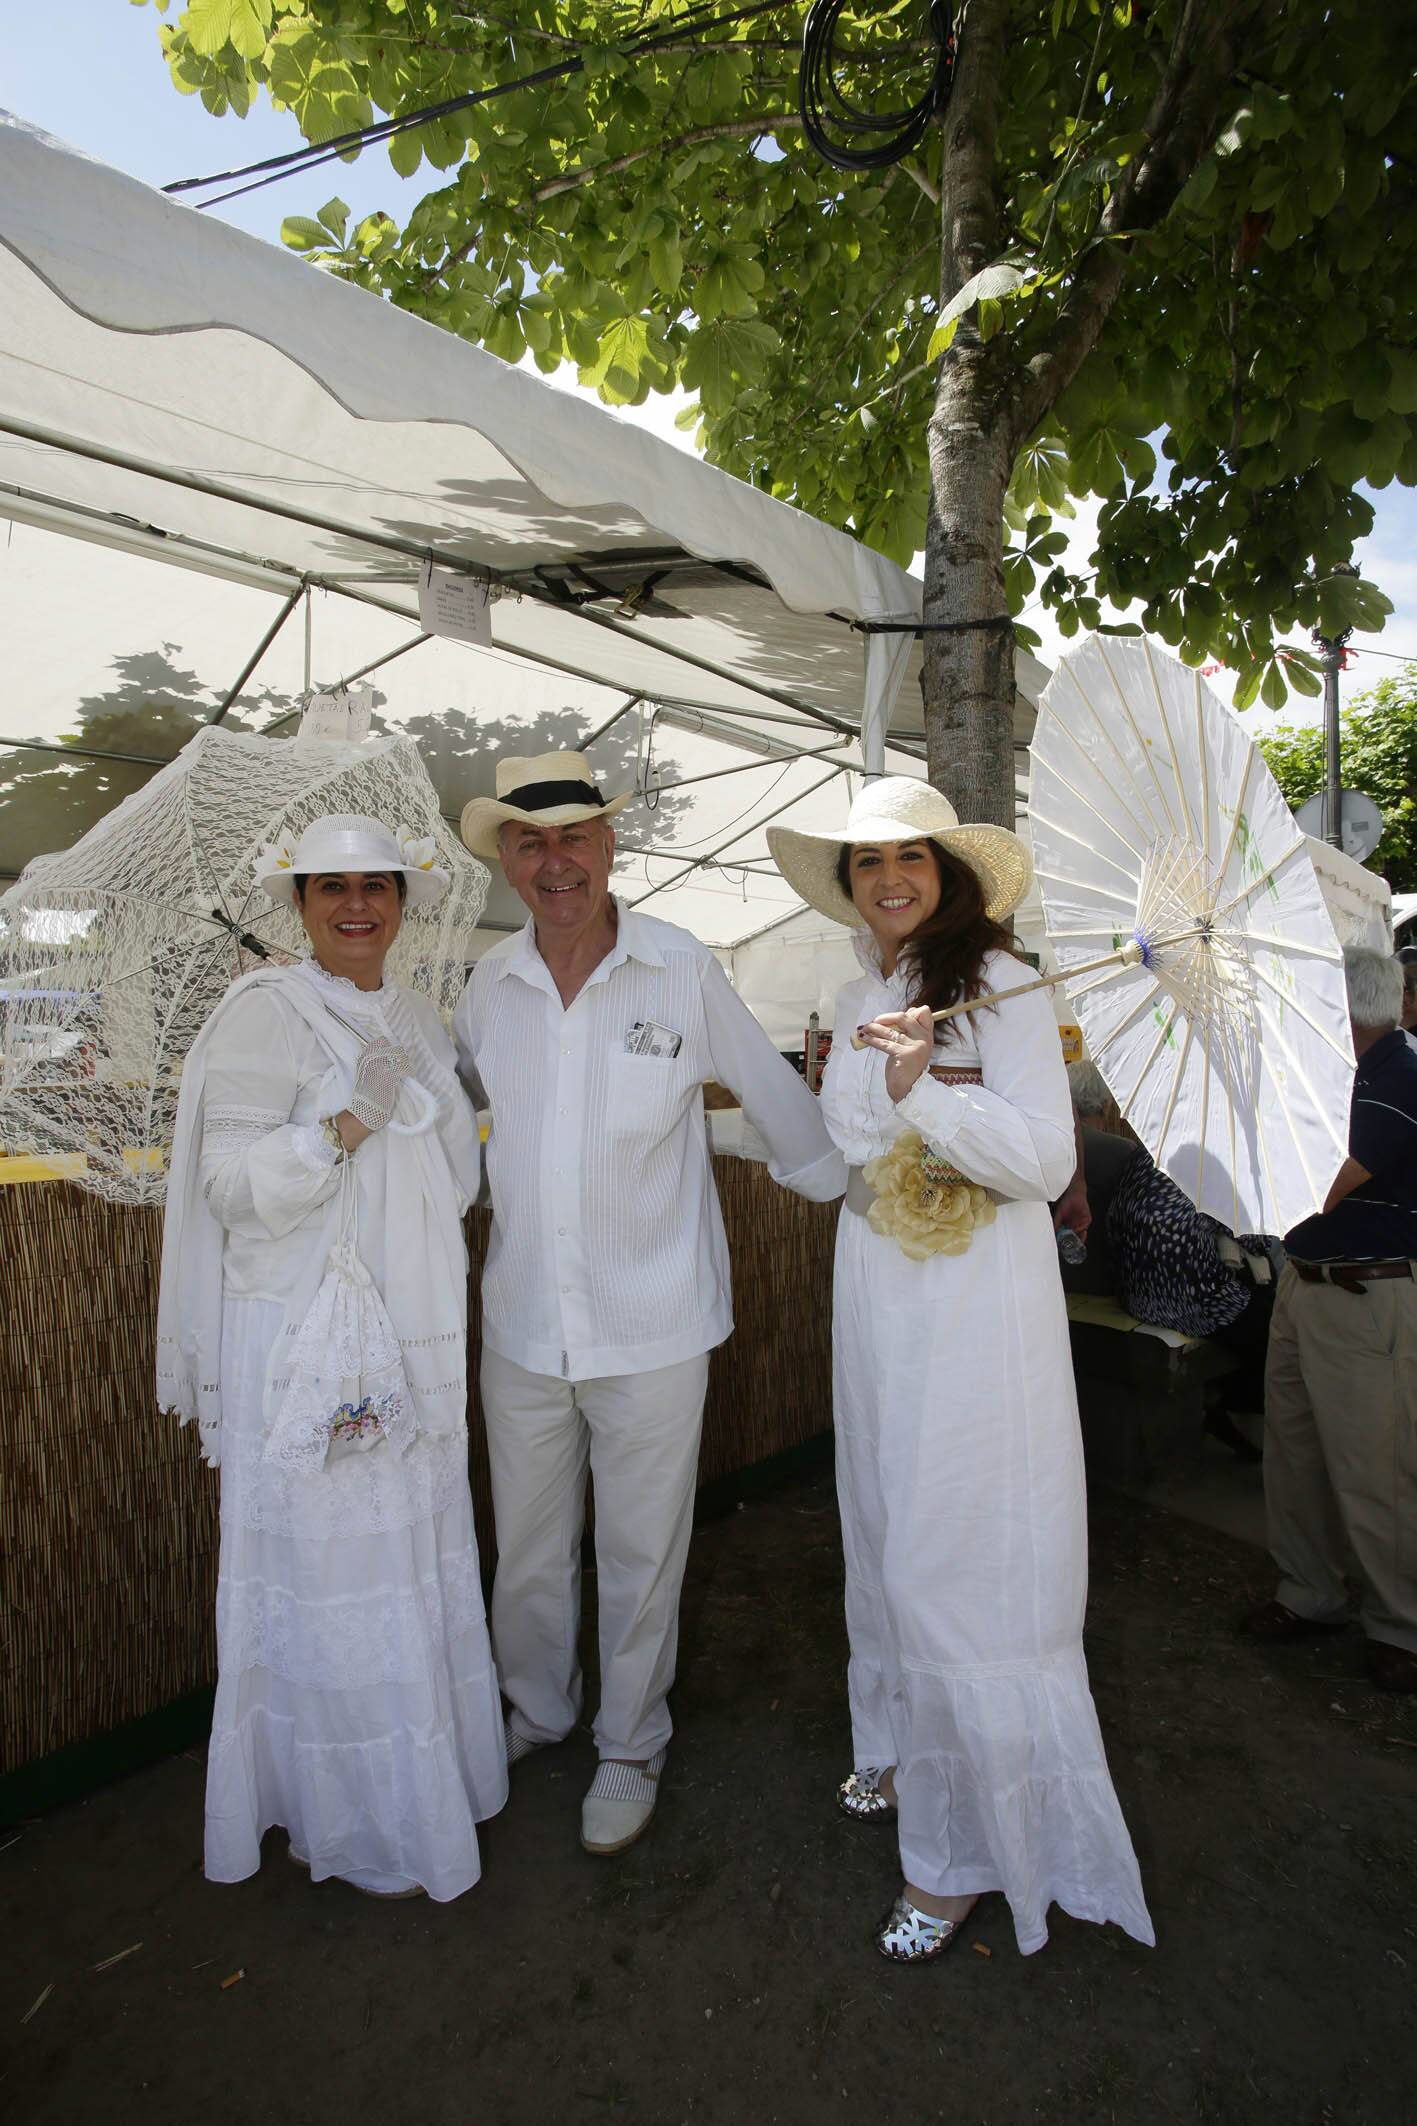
point(261, 1173)
point(774, 1099)
point(1013, 1133)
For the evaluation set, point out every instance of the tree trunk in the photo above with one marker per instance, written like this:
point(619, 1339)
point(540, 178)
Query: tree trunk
point(968, 681)
point(987, 403)
point(968, 675)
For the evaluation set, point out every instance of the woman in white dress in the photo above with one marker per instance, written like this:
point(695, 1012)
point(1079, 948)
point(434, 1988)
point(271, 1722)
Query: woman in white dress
point(959, 1462)
point(312, 1322)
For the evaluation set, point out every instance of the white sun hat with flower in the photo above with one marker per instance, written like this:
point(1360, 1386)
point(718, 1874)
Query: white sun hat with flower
point(899, 808)
point(350, 841)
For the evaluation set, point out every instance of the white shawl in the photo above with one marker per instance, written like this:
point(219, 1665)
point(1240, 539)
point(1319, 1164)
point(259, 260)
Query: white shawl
point(415, 1179)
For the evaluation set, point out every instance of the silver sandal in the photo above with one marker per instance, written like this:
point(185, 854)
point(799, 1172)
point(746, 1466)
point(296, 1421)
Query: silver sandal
point(909, 1936)
point(860, 1797)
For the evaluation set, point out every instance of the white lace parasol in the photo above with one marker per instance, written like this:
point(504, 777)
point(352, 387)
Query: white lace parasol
point(113, 953)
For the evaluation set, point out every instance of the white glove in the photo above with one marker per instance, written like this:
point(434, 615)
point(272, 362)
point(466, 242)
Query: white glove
point(382, 1070)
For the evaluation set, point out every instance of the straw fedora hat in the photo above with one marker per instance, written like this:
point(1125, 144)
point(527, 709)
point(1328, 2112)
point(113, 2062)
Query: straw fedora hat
point(897, 808)
point(547, 790)
point(351, 841)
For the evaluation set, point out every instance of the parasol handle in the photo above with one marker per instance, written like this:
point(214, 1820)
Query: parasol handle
point(242, 937)
point(1129, 955)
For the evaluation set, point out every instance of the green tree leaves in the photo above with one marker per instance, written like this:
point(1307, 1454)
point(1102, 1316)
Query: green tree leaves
point(211, 25)
point(1379, 751)
point(725, 358)
point(631, 359)
point(658, 221)
point(729, 283)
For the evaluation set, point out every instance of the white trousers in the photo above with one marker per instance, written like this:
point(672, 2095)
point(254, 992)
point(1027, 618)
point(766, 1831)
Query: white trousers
point(638, 1434)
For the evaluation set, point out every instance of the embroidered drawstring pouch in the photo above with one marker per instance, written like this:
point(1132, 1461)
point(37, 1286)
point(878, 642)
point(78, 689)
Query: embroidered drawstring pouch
point(347, 1392)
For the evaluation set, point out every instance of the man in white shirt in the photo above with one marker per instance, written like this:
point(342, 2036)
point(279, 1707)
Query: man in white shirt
point(589, 1034)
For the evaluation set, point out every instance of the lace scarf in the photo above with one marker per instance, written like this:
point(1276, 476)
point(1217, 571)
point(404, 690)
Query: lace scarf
point(414, 1178)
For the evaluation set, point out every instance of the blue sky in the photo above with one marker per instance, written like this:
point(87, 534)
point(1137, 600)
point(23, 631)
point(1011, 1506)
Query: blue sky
point(91, 72)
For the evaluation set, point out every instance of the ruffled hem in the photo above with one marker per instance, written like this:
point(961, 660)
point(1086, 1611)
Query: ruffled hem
point(1003, 1786)
point(1059, 1840)
point(366, 1792)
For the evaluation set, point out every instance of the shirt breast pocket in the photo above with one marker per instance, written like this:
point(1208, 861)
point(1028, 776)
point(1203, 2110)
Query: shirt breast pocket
point(647, 1095)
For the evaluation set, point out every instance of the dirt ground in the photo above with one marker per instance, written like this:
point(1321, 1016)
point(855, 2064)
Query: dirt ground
point(722, 1970)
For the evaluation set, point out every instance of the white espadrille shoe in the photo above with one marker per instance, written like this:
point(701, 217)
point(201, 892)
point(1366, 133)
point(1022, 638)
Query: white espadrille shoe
point(619, 1805)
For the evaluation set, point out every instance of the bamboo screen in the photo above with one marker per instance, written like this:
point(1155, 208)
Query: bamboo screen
point(108, 1523)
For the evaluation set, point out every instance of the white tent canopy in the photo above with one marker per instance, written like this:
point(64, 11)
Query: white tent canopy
point(96, 637)
point(180, 393)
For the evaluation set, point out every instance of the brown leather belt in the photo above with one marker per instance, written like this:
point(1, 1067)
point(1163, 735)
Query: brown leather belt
point(946, 1076)
point(1351, 1276)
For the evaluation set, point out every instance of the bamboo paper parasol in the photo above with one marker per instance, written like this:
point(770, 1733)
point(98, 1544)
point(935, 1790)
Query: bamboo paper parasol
point(1187, 919)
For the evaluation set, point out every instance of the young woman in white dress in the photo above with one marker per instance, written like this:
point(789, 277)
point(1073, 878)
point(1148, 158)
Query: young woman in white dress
point(959, 1462)
point(321, 1121)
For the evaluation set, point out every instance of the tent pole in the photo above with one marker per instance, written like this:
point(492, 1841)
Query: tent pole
point(375, 664)
point(697, 863)
point(233, 693)
point(610, 721)
point(766, 760)
point(44, 745)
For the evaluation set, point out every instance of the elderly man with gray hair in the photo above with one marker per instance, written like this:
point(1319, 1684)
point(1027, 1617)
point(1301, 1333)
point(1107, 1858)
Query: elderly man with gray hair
point(1340, 1454)
point(589, 1034)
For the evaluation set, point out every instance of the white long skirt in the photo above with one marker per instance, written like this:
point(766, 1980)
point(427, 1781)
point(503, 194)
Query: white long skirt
point(963, 1507)
point(356, 1700)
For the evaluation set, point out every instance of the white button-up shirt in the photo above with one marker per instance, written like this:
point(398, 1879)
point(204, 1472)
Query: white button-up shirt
point(607, 1253)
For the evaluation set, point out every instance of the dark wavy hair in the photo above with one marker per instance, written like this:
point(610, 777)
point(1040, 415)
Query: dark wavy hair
point(944, 956)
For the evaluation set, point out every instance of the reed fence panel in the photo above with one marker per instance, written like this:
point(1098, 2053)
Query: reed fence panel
point(108, 1519)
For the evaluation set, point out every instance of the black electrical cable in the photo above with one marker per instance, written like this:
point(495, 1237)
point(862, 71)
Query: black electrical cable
point(845, 133)
point(316, 152)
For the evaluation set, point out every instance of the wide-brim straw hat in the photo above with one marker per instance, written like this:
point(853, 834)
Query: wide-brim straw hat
point(351, 841)
point(897, 808)
point(545, 790)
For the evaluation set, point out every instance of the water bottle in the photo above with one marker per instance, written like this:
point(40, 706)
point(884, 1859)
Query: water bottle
point(1072, 1248)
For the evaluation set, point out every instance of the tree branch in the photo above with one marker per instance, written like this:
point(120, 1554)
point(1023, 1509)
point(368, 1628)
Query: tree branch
point(1186, 116)
point(918, 177)
point(570, 179)
point(810, 404)
point(725, 130)
point(490, 17)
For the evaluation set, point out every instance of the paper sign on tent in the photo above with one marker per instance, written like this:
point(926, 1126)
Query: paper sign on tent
point(452, 604)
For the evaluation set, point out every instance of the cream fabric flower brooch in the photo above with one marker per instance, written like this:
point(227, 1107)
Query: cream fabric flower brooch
point(922, 1202)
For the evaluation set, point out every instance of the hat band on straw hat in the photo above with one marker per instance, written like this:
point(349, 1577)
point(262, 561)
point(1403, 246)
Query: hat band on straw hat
point(543, 796)
point(544, 791)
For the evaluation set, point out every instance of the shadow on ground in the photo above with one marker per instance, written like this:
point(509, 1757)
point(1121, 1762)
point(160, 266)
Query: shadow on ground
point(722, 1970)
